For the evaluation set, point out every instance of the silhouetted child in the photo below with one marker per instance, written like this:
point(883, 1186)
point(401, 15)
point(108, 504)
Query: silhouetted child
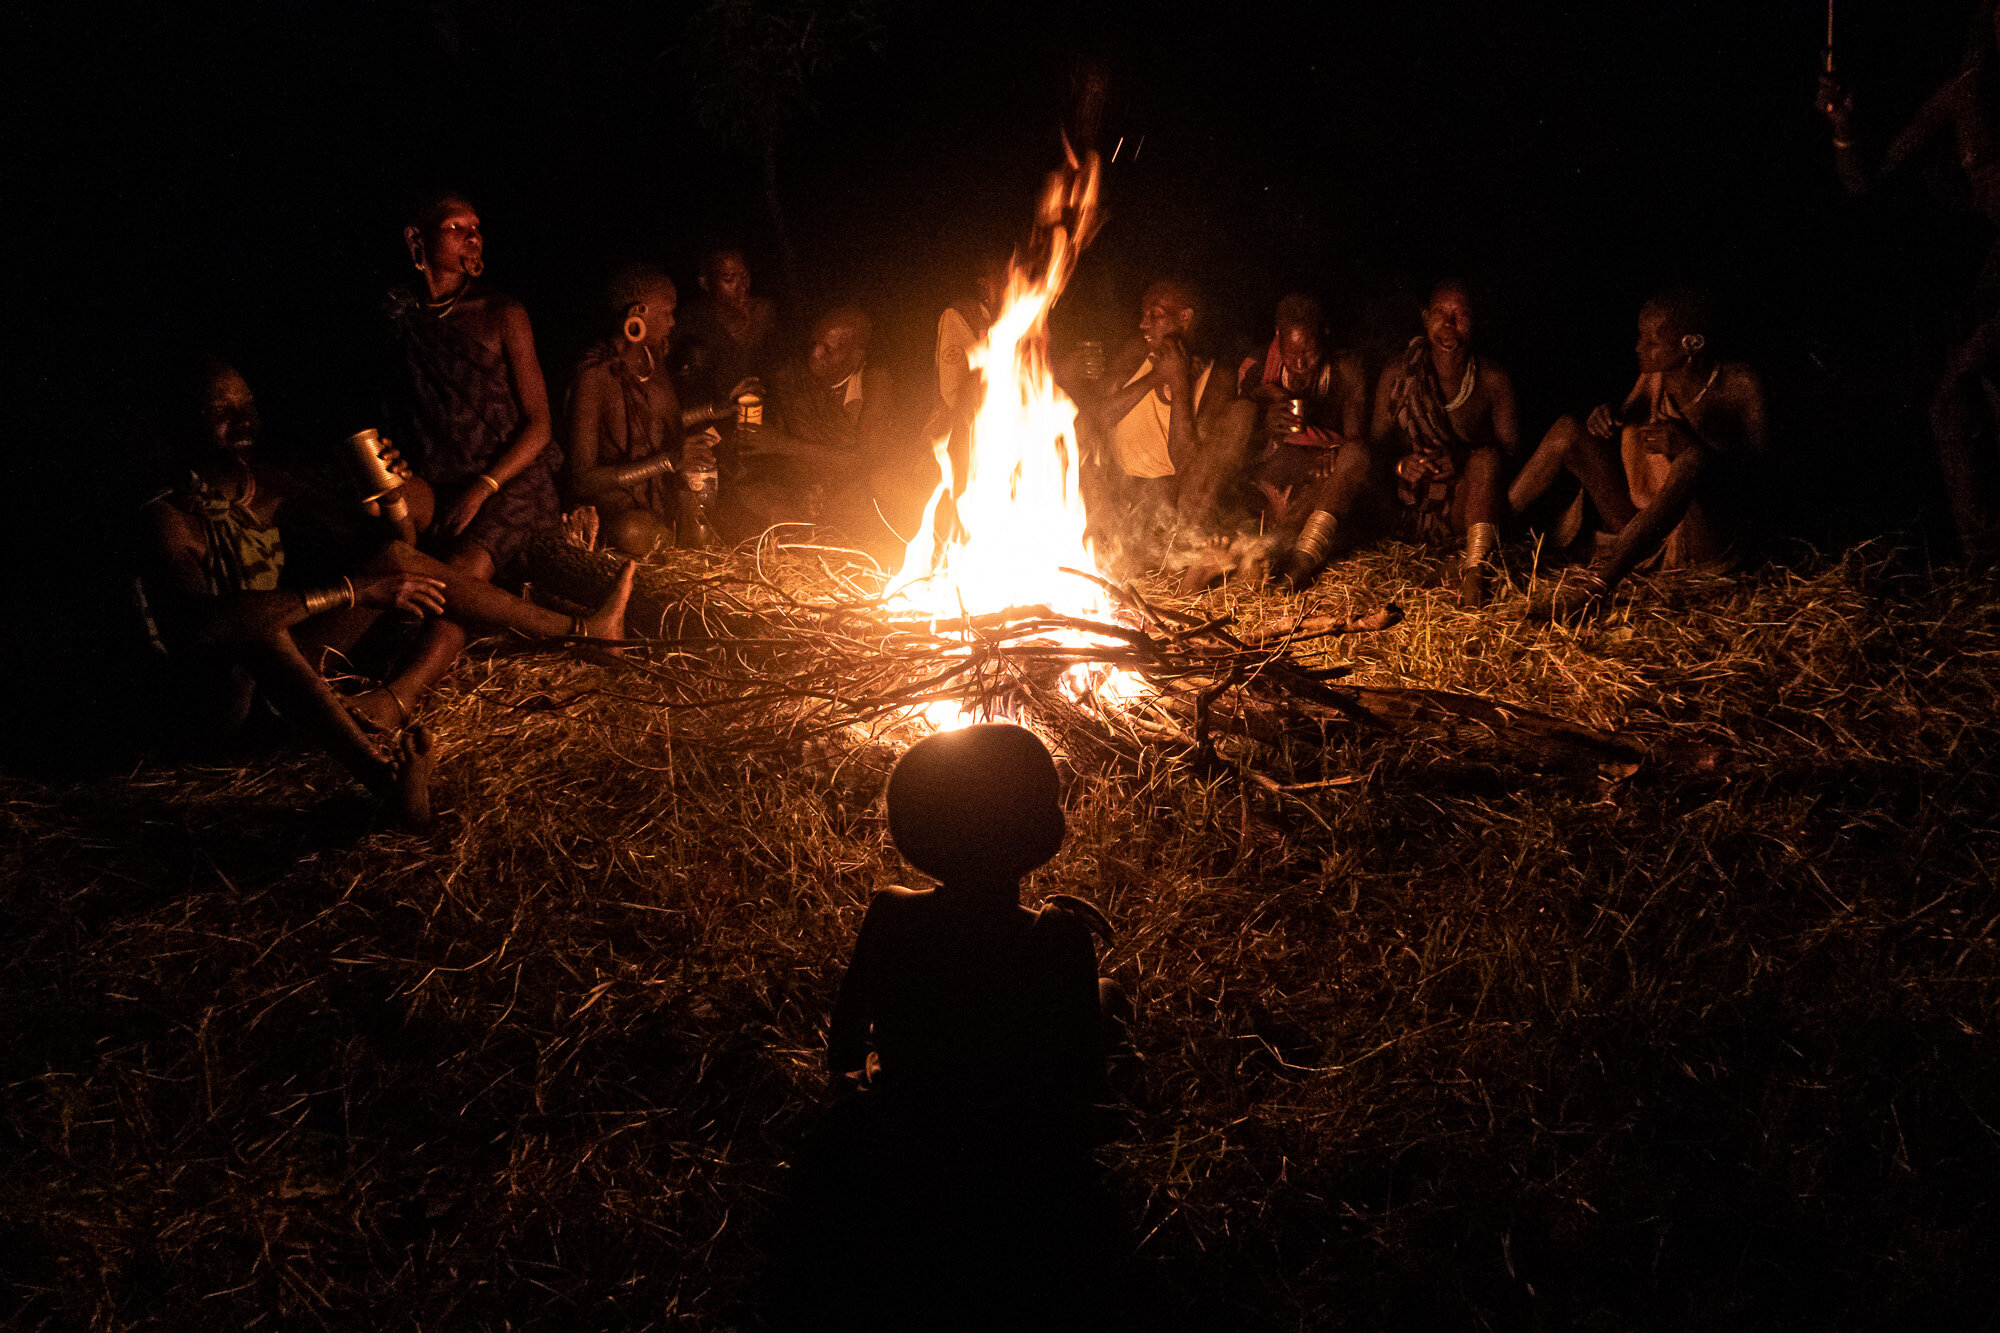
point(953, 1187)
point(958, 998)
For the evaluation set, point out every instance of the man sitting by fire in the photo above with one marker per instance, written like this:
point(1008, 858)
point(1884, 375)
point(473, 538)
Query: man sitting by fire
point(219, 596)
point(1312, 463)
point(629, 454)
point(812, 462)
point(1660, 468)
point(728, 340)
point(1447, 416)
point(1176, 429)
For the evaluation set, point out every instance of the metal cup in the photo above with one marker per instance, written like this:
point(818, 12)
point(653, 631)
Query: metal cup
point(750, 410)
point(1288, 417)
point(371, 474)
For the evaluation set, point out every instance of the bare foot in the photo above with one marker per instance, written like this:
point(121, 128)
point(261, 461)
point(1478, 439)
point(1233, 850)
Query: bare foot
point(1253, 559)
point(608, 620)
point(378, 710)
point(579, 527)
point(1471, 587)
point(1210, 565)
point(411, 798)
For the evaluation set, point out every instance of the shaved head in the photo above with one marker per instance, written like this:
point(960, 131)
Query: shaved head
point(1446, 288)
point(1177, 292)
point(636, 284)
point(1689, 310)
point(1299, 311)
point(852, 318)
point(839, 344)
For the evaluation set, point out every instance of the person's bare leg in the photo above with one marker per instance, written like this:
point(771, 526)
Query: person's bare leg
point(1221, 456)
point(1637, 539)
point(1545, 465)
point(1481, 499)
point(1329, 502)
point(1651, 526)
point(304, 696)
point(474, 561)
point(393, 704)
point(1597, 463)
point(325, 640)
point(470, 596)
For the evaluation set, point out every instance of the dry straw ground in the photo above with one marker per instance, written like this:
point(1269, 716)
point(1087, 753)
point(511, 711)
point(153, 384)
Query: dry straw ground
point(1460, 1037)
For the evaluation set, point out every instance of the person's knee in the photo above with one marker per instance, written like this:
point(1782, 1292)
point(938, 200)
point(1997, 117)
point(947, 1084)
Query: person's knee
point(473, 560)
point(266, 647)
point(422, 502)
point(1564, 435)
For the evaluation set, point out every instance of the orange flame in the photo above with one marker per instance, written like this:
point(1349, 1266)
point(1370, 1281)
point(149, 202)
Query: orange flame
point(1019, 507)
point(1020, 519)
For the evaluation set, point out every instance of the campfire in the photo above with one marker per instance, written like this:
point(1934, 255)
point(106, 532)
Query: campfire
point(1008, 540)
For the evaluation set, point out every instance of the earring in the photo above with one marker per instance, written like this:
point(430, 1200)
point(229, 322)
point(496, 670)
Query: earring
point(417, 257)
point(635, 324)
point(1693, 343)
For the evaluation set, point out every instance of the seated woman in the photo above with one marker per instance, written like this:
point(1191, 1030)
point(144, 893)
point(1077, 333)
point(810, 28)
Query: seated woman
point(467, 397)
point(1446, 415)
point(1659, 467)
point(215, 590)
point(628, 454)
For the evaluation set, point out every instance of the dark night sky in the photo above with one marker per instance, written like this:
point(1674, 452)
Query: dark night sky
point(228, 175)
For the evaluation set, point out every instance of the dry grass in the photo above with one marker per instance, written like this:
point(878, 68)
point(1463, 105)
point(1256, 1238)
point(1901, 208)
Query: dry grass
point(1465, 1037)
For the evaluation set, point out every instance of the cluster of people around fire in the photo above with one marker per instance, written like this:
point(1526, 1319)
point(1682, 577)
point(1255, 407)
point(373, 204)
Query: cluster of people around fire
point(696, 431)
point(717, 427)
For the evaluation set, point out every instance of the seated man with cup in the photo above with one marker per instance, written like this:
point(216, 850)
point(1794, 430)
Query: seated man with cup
point(813, 460)
point(1311, 462)
point(1177, 432)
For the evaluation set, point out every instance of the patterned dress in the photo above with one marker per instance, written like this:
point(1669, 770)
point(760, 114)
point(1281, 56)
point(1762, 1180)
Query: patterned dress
point(454, 412)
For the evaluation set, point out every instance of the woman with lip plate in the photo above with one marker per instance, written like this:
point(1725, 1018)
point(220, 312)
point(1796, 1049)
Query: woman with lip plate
point(467, 402)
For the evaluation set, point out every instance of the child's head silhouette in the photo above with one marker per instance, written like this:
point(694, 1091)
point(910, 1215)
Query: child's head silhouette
point(979, 803)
